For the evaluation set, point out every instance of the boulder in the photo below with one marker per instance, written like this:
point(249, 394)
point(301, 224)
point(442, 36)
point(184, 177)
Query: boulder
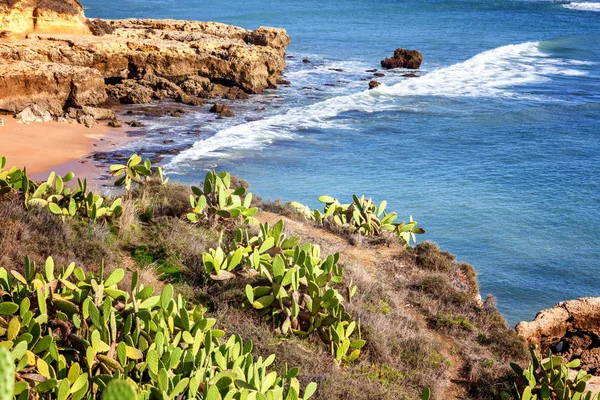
point(98, 114)
point(410, 59)
point(571, 329)
point(373, 84)
point(34, 113)
point(222, 110)
point(270, 37)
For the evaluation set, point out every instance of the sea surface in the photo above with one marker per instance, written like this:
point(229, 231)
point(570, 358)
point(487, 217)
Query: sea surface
point(494, 148)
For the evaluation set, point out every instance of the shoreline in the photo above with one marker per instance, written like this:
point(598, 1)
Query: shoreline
point(43, 147)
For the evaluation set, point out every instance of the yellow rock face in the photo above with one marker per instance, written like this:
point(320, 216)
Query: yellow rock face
point(37, 16)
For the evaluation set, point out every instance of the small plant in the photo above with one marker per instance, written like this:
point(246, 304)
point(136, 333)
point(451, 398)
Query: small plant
point(57, 197)
point(217, 200)
point(552, 379)
point(361, 216)
point(133, 171)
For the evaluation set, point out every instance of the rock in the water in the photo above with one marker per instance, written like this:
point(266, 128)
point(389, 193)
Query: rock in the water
point(222, 110)
point(134, 124)
point(190, 100)
point(281, 81)
point(379, 74)
point(306, 60)
point(373, 84)
point(226, 113)
point(410, 59)
point(115, 123)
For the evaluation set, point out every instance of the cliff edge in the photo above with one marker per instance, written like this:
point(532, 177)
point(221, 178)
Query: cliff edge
point(19, 18)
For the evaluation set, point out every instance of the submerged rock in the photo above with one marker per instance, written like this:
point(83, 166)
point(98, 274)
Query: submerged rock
point(410, 59)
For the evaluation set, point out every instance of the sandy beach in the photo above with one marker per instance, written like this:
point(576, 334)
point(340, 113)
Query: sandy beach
point(55, 145)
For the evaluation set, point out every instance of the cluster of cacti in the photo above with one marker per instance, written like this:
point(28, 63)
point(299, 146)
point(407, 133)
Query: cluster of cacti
point(552, 379)
point(217, 200)
point(54, 194)
point(76, 335)
point(136, 171)
point(362, 216)
point(300, 298)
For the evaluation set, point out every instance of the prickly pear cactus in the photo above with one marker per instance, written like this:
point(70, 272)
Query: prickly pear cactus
point(119, 390)
point(7, 375)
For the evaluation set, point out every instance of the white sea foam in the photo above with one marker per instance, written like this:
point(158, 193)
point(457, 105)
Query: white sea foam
point(493, 73)
point(583, 6)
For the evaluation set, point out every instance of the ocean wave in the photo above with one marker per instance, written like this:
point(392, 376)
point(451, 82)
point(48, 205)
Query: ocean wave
point(493, 73)
point(583, 6)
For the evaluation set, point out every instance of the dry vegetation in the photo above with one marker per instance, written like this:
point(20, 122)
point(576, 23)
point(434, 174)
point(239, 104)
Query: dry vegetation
point(419, 310)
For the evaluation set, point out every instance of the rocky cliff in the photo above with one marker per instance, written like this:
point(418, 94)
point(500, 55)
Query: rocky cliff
point(135, 62)
point(21, 17)
point(570, 329)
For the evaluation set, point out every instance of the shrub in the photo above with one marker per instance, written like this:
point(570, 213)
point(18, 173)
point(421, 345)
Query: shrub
point(70, 334)
point(219, 200)
point(551, 379)
point(361, 216)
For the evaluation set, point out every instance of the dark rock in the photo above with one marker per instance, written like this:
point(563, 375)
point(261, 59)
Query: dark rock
point(226, 113)
point(217, 108)
point(336, 69)
point(168, 141)
point(291, 57)
point(306, 60)
point(410, 75)
point(410, 59)
point(281, 81)
point(371, 70)
point(222, 110)
point(373, 84)
point(115, 123)
point(236, 92)
point(129, 112)
point(99, 27)
point(379, 74)
point(176, 113)
point(135, 124)
point(190, 100)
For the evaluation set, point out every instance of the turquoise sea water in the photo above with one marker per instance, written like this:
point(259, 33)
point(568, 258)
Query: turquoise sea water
point(494, 149)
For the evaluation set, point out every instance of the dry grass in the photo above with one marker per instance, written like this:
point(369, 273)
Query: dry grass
point(419, 309)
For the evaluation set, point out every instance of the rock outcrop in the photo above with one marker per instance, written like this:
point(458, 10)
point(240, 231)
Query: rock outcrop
point(410, 59)
point(132, 61)
point(570, 329)
point(21, 17)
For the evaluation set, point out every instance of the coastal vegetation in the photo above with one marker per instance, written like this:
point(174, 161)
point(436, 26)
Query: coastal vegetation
point(167, 291)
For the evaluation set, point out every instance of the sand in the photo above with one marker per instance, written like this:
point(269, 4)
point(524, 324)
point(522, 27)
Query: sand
point(46, 146)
